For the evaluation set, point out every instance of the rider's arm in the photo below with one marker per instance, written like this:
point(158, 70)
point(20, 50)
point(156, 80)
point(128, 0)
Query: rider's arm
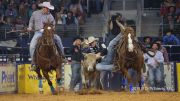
point(120, 25)
point(52, 20)
point(111, 25)
point(31, 21)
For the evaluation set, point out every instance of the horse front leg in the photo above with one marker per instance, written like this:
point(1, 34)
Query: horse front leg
point(46, 75)
point(139, 80)
point(40, 80)
point(127, 76)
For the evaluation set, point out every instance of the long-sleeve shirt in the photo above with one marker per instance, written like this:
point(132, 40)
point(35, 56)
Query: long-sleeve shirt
point(152, 60)
point(170, 40)
point(100, 47)
point(38, 19)
point(165, 54)
point(76, 54)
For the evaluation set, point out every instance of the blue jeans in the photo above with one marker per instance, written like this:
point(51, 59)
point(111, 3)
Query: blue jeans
point(109, 37)
point(163, 84)
point(76, 75)
point(34, 41)
point(102, 66)
point(108, 59)
point(154, 76)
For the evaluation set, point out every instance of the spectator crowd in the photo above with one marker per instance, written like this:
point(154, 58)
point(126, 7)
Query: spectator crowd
point(170, 12)
point(15, 14)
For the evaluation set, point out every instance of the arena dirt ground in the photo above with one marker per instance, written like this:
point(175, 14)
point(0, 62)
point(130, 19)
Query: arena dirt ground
point(106, 96)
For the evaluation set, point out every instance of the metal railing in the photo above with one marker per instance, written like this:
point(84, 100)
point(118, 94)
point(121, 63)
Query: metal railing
point(60, 30)
point(21, 54)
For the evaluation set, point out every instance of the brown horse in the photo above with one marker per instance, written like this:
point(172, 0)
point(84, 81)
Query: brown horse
point(129, 55)
point(47, 57)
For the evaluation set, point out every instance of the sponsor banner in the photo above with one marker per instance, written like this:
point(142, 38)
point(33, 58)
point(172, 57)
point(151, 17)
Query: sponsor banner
point(167, 82)
point(7, 78)
point(28, 80)
point(169, 77)
point(67, 76)
point(178, 76)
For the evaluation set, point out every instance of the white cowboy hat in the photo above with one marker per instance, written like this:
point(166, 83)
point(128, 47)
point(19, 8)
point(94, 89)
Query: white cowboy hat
point(46, 4)
point(91, 39)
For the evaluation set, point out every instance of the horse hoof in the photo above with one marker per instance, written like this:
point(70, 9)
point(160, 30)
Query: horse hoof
point(54, 93)
point(61, 89)
point(41, 90)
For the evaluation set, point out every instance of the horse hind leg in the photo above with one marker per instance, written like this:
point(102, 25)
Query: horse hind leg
point(40, 80)
point(46, 75)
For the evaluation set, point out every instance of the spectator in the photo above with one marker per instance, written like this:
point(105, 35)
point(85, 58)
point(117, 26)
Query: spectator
point(164, 10)
point(177, 8)
point(2, 20)
point(172, 10)
point(95, 6)
point(70, 19)
point(163, 50)
point(147, 41)
point(78, 12)
point(31, 10)
point(61, 16)
point(80, 15)
point(13, 3)
point(153, 62)
point(84, 5)
point(20, 23)
point(177, 25)
point(170, 39)
point(168, 23)
point(166, 60)
point(2, 8)
point(76, 57)
point(169, 3)
point(11, 12)
point(7, 26)
point(23, 11)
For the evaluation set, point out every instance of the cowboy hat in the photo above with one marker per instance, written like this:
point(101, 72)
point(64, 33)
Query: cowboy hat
point(47, 5)
point(91, 39)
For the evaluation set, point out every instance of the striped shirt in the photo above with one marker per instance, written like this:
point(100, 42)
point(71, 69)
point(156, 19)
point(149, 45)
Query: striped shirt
point(152, 60)
point(38, 18)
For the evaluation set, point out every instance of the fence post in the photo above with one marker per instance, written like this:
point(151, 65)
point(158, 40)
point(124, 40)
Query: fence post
point(78, 29)
point(5, 33)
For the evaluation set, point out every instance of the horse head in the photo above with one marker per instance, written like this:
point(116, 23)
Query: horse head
point(48, 33)
point(129, 34)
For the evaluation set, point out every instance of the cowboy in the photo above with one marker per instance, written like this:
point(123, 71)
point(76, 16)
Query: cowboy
point(154, 58)
point(76, 57)
point(95, 47)
point(37, 21)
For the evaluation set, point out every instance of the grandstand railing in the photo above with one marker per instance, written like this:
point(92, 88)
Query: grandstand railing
point(21, 54)
point(61, 30)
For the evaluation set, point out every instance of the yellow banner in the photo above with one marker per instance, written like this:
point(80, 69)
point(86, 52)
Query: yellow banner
point(178, 76)
point(28, 80)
